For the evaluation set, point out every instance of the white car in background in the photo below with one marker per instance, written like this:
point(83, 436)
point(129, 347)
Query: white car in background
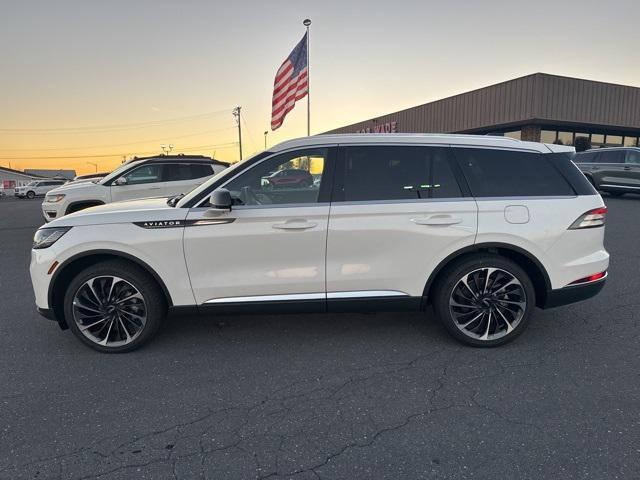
point(37, 188)
point(162, 176)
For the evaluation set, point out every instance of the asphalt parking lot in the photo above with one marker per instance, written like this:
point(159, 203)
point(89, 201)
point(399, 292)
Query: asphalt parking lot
point(342, 396)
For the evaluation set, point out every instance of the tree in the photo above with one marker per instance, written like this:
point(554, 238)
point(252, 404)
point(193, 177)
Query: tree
point(582, 144)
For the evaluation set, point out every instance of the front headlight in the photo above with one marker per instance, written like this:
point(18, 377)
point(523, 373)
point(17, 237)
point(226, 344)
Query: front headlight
point(54, 198)
point(45, 237)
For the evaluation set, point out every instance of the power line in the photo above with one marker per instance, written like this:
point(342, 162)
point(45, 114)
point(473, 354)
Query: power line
point(120, 154)
point(206, 132)
point(106, 128)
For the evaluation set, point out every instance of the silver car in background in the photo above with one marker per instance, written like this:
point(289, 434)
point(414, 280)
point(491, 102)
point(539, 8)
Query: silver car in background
point(613, 170)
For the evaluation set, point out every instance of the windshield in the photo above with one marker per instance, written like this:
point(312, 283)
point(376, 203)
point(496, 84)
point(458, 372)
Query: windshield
point(117, 171)
point(195, 191)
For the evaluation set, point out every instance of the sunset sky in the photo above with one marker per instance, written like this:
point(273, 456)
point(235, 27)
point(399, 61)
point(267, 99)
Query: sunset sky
point(88, 81)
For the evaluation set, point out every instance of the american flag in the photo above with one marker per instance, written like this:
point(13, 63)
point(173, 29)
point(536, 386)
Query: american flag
point(291, 83)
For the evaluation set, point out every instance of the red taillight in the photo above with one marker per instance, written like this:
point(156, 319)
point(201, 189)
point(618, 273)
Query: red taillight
point(590, 278)
point(592, 218)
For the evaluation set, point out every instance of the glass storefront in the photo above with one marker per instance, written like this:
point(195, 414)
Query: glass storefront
point(548, 136)
point(517, 134)
point(569, 138)
point(565, 137)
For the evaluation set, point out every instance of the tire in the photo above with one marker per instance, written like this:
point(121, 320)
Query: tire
point(31, 194)
point(126, 324)
point(489, 320)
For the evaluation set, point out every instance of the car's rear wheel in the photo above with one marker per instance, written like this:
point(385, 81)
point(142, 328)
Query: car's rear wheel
point(114, 306)
point(31, 195)
point(484, 301)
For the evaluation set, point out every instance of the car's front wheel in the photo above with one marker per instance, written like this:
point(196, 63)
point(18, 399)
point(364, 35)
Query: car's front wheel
point(114, 306)
point(31, 195)
point(484, 301)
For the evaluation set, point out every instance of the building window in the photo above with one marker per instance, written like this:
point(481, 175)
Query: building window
point(630, 141)
point(566, 138)
point(517, 134)
point(597, 139)
point(547, 136)
point(614, 140)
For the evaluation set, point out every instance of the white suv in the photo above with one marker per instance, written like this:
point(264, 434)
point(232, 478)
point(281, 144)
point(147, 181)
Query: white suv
point(483, 229)
point(161, 176)
point(37, 188)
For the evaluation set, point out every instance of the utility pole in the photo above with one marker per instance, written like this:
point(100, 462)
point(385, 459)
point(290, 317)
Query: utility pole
point(94, 164)
point(266, 132)
point(236, 114)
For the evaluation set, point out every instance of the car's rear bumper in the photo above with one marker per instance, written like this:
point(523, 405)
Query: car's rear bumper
point(573, 294)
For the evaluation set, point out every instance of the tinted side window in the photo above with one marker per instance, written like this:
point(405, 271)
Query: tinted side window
point(614, 156)
point(504, 173)
point(633, 156)
point(199, 170)
point(397, 173)
point(174, 172)
point(586, 157)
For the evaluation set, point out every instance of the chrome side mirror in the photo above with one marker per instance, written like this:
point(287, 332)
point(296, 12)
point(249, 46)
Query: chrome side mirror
point(120, 181)
point(221, 199)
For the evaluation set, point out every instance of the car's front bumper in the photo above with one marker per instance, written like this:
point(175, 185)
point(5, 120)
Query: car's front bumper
point(573, 293)
point(51, 211)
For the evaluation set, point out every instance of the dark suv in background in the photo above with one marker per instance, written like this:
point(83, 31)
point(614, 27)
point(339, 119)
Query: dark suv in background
point(612, 170)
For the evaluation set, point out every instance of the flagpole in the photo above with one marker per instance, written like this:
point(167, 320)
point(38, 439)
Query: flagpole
point(306, 22)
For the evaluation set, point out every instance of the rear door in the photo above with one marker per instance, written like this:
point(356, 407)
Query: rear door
point(396, 212)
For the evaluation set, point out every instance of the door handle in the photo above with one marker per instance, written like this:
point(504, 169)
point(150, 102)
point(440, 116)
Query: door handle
point(437, 220)
point(627, 168)
point(295, 224)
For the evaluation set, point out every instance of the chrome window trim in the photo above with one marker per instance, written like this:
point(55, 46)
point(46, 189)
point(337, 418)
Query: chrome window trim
point(528, 198)
point(403, 201)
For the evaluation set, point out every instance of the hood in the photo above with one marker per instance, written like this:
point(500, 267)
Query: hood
point(145, 209)
point(75, 187)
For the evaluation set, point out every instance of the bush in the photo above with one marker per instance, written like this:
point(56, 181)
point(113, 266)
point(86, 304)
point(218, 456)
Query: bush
point(582, 144)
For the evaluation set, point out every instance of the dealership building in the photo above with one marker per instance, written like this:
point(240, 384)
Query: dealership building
point(538, 107)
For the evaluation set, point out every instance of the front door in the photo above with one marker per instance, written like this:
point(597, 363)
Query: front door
point(271, 246)
point(632, 169)
point(397, 212)
point(142, 182)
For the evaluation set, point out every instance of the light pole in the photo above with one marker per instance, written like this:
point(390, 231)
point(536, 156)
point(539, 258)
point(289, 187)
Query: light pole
point(167, 148)
point(265, 139)
point(94, 164)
